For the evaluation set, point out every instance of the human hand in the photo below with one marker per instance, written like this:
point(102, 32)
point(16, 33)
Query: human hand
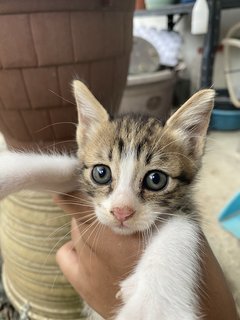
point(97, 259)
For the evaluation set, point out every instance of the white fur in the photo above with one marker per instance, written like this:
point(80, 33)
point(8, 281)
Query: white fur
point(127, 169)
point(56, 173)
point(123, 193)
point(163, 285)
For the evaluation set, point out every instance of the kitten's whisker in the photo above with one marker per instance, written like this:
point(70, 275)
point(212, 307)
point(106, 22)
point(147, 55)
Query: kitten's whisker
point(55, 279)
point(67, 194)
point(73, 201)
point(79, 204)
point(59, 142)
point(86, 205)
point(80, 220)
point(55, 246)
point(90, 235)
point(166, 214)
point(92, 225)
point(101, 228)
point(92, 215)
point(146, 233)
point(61, 239)
point(88, 227)
point(69, 214)
point(149, 234)
point(81, 235)
point(64, 99)
point(50, 236)
point(144, 238)
point(56, 123)
point(141, 245)
point(97, 228)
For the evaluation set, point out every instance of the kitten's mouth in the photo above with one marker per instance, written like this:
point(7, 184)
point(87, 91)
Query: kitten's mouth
point(123, 225)
point(122, 228)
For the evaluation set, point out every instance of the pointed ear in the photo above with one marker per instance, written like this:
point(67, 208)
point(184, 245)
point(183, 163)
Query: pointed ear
point(90, 112)
point(191, 121)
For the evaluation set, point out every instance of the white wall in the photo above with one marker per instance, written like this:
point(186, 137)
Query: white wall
point(192, 43)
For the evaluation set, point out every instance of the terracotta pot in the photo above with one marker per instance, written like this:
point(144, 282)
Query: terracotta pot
point(32, 229)
point(47, 43)
point(44, 45)
point(140, 5)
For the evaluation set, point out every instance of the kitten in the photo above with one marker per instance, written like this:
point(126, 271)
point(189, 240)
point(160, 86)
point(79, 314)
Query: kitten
point(136, 173)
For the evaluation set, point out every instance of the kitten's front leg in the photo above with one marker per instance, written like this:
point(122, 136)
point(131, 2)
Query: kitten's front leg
point(56, 173)
point(164, 284)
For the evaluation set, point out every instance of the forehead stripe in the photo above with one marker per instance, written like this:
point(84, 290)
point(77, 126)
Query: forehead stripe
point(139, 149)
point(148, 158)
point(120, 146)
point(110, 154)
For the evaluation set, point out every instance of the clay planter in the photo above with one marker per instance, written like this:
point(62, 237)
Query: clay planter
point(44, 45)
point(32, 229)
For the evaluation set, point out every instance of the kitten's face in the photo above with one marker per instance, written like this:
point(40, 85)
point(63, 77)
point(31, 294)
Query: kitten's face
point(134, 170)
point(134, 173)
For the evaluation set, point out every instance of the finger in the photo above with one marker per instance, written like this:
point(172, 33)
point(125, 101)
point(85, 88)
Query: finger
point(67, 260)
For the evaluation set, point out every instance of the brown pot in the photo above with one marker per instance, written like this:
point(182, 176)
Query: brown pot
point(140, 5)
point(44, 45)
point(32, 229)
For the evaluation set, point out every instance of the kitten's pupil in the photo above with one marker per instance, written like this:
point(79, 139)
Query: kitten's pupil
point(101, 174)
point(155, 180)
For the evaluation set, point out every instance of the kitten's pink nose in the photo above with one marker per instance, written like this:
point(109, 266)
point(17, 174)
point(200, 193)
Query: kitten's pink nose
point(123, 213)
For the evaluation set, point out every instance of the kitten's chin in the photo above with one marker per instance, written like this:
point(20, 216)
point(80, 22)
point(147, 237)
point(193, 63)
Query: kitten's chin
point(122, 230)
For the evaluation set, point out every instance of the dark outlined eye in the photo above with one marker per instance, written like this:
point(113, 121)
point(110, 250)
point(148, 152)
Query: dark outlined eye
point(155, 180)
point(101, 174)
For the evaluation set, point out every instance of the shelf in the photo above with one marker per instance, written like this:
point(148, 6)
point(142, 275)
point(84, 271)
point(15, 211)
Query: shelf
point(166, 10)
point(211, 37)
point(182, 9)
point(230, 4)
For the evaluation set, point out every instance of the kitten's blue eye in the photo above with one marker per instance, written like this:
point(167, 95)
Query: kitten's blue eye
point(101, 174)
point(155, 180)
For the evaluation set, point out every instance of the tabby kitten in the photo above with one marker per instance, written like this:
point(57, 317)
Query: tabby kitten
point(136, 172)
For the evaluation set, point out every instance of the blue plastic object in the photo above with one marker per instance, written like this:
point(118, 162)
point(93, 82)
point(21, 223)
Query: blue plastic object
point(225, 119)
point(229, 218)
point(187, 1)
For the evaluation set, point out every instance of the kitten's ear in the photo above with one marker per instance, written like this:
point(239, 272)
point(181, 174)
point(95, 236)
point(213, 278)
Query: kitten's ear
point(90, 111)
point(190, 122)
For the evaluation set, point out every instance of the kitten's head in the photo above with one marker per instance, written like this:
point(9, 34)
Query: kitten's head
point(134, 169)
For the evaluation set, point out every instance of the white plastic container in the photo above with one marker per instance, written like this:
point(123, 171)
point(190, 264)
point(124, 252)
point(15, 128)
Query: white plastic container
point(149, 93)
